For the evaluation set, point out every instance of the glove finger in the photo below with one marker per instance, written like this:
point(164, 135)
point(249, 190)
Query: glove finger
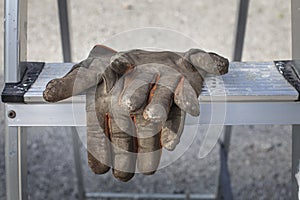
point(173, 128)
point(136, 91)
point(149, 147)
point(123, 150)
point(121, 62)
point(124, 61)
point(186, 98)
point(120, 127)
point(161, 98)
point(100, 50)
point(81, 77)
point(209, 62)
point(98, 144)
point(63, 88)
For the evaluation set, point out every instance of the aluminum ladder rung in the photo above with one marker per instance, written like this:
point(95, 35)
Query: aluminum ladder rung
point(245, 81)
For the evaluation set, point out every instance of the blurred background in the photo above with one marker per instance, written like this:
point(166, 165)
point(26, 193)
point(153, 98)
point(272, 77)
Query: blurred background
point(260, 156)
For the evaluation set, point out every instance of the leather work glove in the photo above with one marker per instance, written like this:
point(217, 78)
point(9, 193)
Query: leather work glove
point(136, 103)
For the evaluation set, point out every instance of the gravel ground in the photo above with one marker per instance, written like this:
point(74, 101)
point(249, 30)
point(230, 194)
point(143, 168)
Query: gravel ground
point(260, 156)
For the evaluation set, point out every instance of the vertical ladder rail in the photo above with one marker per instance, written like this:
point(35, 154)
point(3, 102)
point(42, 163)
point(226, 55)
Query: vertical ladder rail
point(15, 39)
point(240, 30)
point(15, 164)
point(295, 160)
point(295, 17)
point(64, 19)
point(15, 44)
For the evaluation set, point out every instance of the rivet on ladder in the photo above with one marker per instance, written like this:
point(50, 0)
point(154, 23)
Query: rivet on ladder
point(11, 114)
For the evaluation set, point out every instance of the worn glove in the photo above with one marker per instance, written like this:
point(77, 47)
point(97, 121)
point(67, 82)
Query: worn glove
point(130, 111)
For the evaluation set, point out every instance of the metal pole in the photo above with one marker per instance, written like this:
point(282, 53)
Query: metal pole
point(15, 39)
point(15, 164)
point(295, 159)
point(240, 30)
point(224, 189)
point(295, 4)
point(78, 166)
point(63, 9)
point(15, 54)
point(22, 162)
point(295, 7)
point(11, 164)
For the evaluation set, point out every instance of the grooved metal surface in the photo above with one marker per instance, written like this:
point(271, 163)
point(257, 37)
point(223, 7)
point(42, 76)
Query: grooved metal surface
point(50, 71)
point(245, 81)
point(249, 81)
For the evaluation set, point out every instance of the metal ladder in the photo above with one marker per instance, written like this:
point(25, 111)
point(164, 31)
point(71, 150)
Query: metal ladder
point(15, 141)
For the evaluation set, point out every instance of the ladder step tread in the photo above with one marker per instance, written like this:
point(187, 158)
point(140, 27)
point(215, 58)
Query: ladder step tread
point(245, 81)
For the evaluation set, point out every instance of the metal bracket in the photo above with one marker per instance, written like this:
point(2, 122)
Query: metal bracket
point(290, 71)
point(14, 92)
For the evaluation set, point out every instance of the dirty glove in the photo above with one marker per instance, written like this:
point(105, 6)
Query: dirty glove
point(156, 90)
point(135, 110)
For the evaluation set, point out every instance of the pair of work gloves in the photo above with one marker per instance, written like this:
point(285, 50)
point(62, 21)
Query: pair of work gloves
point(136, 102)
